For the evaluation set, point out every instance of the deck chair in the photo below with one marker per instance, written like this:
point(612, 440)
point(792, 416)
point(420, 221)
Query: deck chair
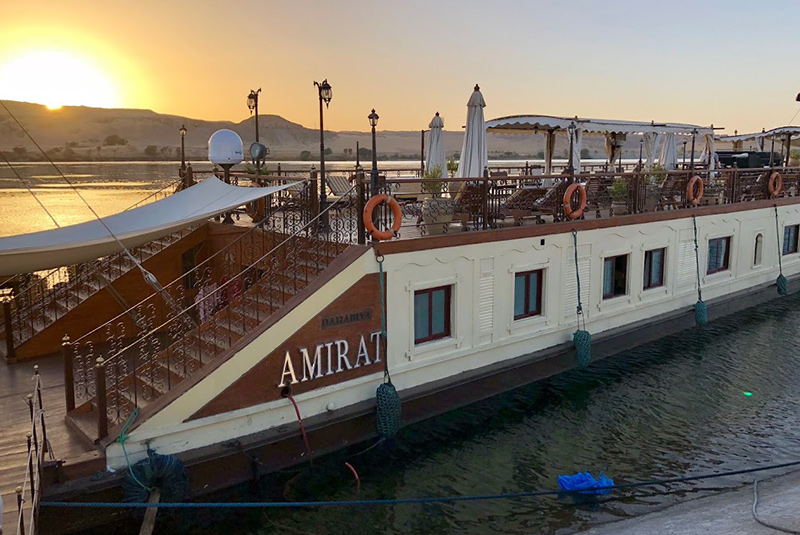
point(340, 187)
point(521, 205)
point(597, 196)
point(671, 192)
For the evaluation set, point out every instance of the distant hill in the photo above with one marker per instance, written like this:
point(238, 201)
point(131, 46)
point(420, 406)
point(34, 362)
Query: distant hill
point(84, 133)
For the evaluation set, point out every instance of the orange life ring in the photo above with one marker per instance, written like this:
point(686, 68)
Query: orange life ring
point(775, 184)
point(577, 213)
point(396, 211)
point(694, 199)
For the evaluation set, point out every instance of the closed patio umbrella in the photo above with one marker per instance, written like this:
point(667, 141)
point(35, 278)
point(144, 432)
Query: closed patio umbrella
point(474, 155)
point(436, 155)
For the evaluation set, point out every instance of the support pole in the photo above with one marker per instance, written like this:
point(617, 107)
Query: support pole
point(21, 518)
point(361, 191)
point(41, 407)
point(69, 373)
point(30, 465)
point(10, 355)
point(422, 153)
point(149, 522)
point(102, 407)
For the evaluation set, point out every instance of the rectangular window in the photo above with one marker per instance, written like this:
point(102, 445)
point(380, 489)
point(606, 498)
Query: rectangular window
point(527, 294)
point(718, 251)
point(654, 268)
point(615, 273)
point(431, 314)
point(790, 239)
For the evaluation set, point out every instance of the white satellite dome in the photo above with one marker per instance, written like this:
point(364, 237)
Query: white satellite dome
point(225, 147)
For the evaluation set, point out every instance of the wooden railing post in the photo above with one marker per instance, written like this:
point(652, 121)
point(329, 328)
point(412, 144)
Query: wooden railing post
point(69, 373)
point(41, 407)
point(102, 416)
point(10, 355)
point(361, 192)
point(30, 463)
point(21, 517)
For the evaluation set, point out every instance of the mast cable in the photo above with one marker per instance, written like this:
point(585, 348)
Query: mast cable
point(24, 183)
point(148, 277)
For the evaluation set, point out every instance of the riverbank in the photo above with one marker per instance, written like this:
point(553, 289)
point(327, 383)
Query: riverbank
point(728, 512)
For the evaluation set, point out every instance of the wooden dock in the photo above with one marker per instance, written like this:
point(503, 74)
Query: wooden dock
point(16, 382)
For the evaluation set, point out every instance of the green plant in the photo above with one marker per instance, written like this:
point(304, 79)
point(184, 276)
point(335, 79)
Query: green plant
point(432, 183)
point(618, 190)
point(795, 154)
point(452, 167)
point(654, 176)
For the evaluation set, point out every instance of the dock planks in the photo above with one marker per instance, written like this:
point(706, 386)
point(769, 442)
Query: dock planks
point(16, 382)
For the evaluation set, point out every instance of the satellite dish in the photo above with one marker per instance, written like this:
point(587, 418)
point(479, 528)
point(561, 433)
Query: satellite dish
point(225, 148)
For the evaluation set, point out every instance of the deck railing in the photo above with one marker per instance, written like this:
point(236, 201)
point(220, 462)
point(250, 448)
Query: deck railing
point(135, 373)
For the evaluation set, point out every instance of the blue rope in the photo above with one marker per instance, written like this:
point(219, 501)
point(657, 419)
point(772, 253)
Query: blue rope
point(400, 501)
point(123, 438)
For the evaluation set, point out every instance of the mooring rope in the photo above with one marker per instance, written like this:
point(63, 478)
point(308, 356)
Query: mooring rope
point(781, 282)
point(401, 501)
point(700, 311)
point(581, 338)
point(302, 428)
point(386, 375)
point(763, 522)
point(122, 439)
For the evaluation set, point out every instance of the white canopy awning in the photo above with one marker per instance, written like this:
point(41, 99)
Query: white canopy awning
point(781, 132)
point(524, 124)
point(26, 253)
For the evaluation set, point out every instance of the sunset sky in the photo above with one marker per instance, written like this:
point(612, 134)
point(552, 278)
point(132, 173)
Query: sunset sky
point(731, 63)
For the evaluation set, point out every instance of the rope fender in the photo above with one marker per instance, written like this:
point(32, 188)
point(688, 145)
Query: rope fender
point(388, 406)
point(780, 282)
point(581, 338)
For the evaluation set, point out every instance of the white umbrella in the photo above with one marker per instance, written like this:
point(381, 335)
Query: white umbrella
point(474, 156)
point(436, 147)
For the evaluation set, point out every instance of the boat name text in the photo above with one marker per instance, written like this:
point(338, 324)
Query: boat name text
point(346, 319)
point(332, 356)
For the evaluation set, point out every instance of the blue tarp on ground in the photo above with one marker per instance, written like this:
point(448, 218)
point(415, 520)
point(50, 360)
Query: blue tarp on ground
point(585, 482)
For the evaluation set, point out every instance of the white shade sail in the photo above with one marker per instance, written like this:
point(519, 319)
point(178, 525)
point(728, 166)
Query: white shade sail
point(436, 156)
point(524, 124)
point(474, 154)
point(26, 253)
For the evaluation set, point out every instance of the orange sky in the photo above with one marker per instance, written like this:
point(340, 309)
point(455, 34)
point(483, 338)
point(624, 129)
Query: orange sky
point(731, 63)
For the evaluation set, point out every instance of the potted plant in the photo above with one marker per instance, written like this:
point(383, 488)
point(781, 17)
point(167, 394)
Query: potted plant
point(619, 196)
point(794, 158)
point(652, 187)
point(437, 211)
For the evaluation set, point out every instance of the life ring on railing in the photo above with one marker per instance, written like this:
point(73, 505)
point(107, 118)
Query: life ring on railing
point(396, 211)
point(257, 210)
point(694, 197)
point(775, 184)
point(568, 210)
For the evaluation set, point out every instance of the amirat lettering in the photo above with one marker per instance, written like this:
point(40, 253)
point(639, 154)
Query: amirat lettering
point(330, 358)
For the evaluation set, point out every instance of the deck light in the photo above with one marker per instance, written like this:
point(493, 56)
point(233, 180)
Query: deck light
point(325, 95)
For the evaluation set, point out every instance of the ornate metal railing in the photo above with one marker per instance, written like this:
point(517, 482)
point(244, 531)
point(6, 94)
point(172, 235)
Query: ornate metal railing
point(434, 206)
point(219, 302)
point(45, 299)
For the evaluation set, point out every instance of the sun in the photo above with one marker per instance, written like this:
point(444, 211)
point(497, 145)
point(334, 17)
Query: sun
point(56, 78)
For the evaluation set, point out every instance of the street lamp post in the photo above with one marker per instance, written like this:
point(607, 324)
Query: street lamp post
point(373, 122)
point(325, 95)
point(252, 103)
point(183, 150)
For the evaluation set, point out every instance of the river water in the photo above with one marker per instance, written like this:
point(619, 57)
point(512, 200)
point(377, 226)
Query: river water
point(675, 407)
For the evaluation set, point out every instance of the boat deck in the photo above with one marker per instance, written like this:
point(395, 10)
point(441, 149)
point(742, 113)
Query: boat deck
point(16, 382)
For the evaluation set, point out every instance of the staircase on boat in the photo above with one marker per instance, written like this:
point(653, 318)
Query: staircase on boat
point(226, 305)
point(39, 301)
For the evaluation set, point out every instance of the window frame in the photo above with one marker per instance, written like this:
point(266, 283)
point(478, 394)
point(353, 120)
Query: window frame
point(648, 284)
point(448, 306)
point(758, 249)
point(727, 261)
point(627, 265)
point(537, 311)
point(794, 245)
